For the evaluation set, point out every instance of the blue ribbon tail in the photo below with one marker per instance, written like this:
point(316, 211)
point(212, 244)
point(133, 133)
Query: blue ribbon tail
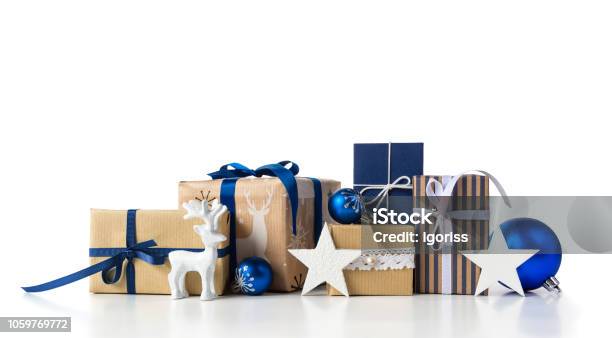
point(113, 264)
point(98, 267)
point(130, 275)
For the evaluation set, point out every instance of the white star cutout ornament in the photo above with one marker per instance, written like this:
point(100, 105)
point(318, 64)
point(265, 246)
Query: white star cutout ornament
point(498, 264)
point(325, 263)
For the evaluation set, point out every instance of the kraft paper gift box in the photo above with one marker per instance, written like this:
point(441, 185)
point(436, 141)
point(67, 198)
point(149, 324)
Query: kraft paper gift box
point(445, 270)
point(110, 232)
point(378, 165)
point(263, 220)
point(386, 270)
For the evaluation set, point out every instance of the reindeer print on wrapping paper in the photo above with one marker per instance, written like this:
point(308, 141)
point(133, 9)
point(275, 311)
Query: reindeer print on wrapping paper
point(255, 244)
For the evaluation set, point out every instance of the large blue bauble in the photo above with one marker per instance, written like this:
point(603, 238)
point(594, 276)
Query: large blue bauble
point(345, 206)
point(253, 276)
point(529, 233)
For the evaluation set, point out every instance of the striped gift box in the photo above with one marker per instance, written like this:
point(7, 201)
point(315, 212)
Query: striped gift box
point(447, 271)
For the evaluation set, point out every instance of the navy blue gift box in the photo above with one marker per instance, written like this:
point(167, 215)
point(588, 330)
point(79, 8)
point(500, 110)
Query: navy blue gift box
point(380, 166)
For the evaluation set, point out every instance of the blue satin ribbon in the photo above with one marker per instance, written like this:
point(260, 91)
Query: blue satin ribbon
point(226, 197)
point(143, 251)
point(318, 209)
point(231, 172)
point(285, 175)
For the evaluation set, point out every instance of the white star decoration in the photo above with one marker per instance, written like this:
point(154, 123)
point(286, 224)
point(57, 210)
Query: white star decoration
point(325, 263)
point(498, 263)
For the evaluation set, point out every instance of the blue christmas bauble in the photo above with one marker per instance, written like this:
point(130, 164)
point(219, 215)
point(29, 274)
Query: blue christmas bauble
point(529, 233)
point(345, 206)
point(253, 276)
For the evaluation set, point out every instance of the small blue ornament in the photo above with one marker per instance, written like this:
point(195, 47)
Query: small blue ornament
point(345, 206)
point(540, 269)
point(253, 276)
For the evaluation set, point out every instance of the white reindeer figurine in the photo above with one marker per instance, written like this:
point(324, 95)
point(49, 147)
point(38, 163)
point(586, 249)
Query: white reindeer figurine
point(257, 241)
point(203, 262)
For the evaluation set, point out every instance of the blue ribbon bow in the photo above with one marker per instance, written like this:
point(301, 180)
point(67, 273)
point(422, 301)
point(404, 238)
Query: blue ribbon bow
point(137, 251)
point(133, 250)
point(115, 262)
point(280, 170)
point(230, 173)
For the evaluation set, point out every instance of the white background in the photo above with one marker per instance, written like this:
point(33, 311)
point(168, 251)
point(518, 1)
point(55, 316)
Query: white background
point(109, 104)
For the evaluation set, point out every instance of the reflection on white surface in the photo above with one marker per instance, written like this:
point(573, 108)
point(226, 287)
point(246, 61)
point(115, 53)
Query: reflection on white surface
point(576, 312)
point(290, 315)
point(538, 308)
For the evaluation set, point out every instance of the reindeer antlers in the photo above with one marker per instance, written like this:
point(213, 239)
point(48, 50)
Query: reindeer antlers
point(268, 199)
point(247, 195)
point(265, 204)
point(200, 209)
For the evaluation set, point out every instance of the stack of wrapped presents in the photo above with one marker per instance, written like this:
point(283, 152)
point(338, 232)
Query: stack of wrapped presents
point(271, 209)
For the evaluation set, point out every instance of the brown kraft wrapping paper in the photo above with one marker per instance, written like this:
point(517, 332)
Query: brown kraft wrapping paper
point(470, 193)
point(169, 230)
point(263, 220)
point(390, 282)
